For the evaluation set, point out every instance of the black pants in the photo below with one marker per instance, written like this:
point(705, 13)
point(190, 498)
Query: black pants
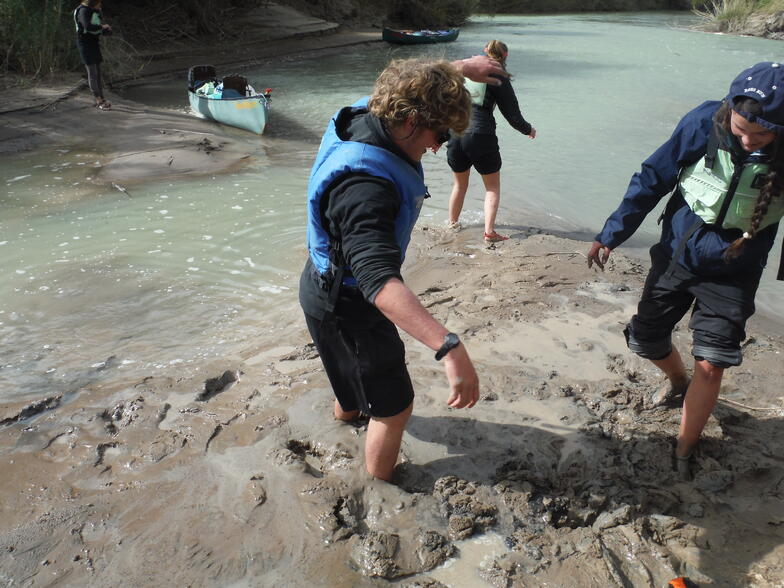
point(721, 307)
point(365, 363)
point(94, 79)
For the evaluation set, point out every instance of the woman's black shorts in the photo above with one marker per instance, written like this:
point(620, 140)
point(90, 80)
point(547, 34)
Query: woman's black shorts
point(365, 363)
point(719, 307)
point(481, 151)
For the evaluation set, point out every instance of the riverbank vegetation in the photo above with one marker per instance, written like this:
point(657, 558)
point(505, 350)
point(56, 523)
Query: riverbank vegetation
point(37, 36)
point(755, 17)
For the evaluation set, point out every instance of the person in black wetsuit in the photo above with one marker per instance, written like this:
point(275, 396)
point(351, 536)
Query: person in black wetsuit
point(89, 28)
point(478, 146)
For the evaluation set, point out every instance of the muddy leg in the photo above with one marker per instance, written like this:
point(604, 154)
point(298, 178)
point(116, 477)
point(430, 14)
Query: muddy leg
point(673, 368)
point(382, 444)
point(700, 401)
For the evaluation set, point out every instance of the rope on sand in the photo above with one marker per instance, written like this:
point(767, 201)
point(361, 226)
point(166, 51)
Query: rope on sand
point(746, 406)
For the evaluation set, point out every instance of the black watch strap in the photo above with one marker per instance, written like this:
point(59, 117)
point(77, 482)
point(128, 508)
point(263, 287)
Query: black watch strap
point(451, 340)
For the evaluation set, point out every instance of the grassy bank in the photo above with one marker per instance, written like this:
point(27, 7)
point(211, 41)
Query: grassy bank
point(757, 17)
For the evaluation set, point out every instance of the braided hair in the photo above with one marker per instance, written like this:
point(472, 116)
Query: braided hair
point(774, 181)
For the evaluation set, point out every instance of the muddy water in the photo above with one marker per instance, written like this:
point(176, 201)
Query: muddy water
point(179, 272)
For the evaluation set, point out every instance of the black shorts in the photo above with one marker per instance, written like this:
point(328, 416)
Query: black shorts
point(721, 307)
point(365, 362)
point(481, 151)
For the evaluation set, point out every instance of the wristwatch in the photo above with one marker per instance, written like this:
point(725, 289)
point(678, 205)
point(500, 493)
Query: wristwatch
point(450, 342)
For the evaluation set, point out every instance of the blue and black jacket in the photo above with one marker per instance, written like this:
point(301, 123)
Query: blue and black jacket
point(364, 197)
point(702, 252)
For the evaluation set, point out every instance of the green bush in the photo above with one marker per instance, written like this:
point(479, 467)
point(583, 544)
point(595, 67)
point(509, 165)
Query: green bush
point(733, 15)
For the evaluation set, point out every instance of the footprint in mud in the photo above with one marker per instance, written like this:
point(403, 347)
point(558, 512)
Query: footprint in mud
point(331, 508)
point(254, 495)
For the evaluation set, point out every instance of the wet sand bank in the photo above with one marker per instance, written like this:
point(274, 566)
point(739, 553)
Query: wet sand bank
point(238, 476)
point(564, 465)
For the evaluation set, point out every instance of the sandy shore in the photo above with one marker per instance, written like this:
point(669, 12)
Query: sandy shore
point(560, 476)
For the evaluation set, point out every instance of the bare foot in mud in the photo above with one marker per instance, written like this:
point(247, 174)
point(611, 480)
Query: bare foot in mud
point(683, 458)
point(671, 393)
point(683, 467)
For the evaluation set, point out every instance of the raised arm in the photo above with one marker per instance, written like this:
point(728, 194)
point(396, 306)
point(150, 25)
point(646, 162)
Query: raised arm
point(481, 68)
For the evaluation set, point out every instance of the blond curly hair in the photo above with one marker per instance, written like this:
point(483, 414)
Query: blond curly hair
point(431, 93)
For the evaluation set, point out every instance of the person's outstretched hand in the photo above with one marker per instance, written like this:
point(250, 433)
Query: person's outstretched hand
point(532, 134)
point(481, 68)
point(463, 381)
point(594, 257)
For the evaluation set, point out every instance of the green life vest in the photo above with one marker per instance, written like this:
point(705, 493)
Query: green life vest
point(725, 194)
point(477, 91)
point(95, 19)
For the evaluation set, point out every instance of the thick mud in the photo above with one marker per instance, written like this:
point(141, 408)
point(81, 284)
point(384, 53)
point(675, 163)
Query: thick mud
point(562, 475)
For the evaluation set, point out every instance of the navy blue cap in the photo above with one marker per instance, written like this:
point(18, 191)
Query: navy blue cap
point(764, 82)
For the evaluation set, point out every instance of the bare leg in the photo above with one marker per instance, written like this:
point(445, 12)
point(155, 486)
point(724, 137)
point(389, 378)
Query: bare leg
point(382, 444)
point(700, 401)
point(344, 415)
point(673, 368)
point(456, 199)
point(492, 198)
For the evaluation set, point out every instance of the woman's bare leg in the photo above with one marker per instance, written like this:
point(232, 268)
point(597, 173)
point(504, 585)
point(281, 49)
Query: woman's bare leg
point(456, 199)
point(492, 199)
point(701, 398)
point(673, 368)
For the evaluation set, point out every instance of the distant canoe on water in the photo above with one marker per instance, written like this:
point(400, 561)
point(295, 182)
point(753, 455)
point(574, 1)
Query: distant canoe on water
point(418, 37)
point(230, 101)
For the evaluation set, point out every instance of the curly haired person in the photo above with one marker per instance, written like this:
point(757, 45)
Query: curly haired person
point(365, 192)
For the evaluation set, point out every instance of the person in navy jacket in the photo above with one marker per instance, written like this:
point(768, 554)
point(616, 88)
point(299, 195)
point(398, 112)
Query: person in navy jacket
point(364, 195)
point(724, 165)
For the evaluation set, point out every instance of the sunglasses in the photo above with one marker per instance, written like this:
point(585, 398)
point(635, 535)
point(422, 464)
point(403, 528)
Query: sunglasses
point(442, 136)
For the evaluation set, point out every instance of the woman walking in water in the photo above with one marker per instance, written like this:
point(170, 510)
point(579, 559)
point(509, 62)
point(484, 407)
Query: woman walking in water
point(89, 28)
point(725, 163)
point(478, 146)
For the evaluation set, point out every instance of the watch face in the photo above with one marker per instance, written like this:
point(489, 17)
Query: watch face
point(451, 340)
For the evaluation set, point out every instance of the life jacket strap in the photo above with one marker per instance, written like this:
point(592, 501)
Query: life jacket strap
point(676, 201)
point(713, 147)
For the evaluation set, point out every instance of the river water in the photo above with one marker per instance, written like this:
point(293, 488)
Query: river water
point(189, 270)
